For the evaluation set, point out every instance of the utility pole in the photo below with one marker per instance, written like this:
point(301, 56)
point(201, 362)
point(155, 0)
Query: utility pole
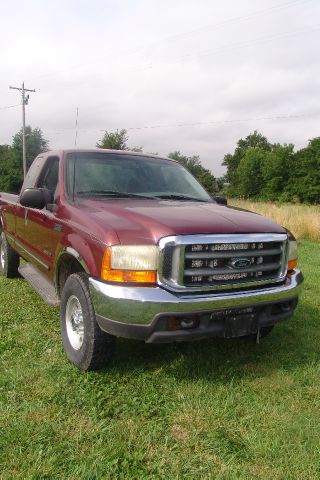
point(24, 102)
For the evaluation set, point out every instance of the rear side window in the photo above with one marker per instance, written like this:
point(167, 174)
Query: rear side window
point(33, 173)
point(49, 175)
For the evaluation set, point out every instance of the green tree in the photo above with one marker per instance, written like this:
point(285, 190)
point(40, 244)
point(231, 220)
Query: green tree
point(261, 170)
point(222, 185)
point(304, 180)
point(114, 140)
point(193, 164)
point(275, 170)
point(117, 141)
point(249, 180)
point(11, 175)
point(35, 143)
point(232, 161)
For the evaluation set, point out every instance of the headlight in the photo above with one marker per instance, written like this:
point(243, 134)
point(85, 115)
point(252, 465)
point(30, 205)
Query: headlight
point(130, 263)
point(293, 252)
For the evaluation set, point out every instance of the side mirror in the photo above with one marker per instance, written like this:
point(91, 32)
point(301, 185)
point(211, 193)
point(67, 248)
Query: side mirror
point(34, 198)
point(220, 200)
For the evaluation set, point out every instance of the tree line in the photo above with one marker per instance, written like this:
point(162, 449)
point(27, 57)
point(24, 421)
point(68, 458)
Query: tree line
point(261, 170)
point(257, 169)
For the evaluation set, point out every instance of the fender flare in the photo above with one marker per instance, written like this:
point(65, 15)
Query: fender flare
point(69, 251)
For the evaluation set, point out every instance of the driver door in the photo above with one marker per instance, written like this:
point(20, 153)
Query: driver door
point(40, 233)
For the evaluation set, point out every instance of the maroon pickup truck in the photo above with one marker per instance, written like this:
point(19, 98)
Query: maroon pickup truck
point(131, 245)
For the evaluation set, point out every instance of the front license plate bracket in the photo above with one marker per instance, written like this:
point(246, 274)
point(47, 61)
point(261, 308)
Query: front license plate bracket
point(238, 323)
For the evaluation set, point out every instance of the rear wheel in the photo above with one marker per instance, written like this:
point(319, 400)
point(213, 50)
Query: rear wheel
point(9, 259)
point(85, 344)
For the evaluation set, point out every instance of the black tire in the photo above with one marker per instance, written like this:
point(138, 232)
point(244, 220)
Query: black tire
point(84, 343)
point(9, 259)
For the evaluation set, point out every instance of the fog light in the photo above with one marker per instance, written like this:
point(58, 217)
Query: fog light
point(175, 323)
point(188, 323)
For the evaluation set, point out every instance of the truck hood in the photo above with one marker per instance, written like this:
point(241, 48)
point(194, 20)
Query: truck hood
point(146, 221)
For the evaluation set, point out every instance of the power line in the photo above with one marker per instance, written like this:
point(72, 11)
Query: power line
point(232, 46)
point(221, 122)
point(239, 18)
point(10, 106)
point(249, 43)
point(236, 45)
point(242, 44)
point(183, 34)
point(198, 124)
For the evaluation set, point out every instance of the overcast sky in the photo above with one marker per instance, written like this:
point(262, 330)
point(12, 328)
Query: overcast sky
point(219, 68)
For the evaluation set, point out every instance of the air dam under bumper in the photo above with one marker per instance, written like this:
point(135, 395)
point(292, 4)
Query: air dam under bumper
point(156, 315)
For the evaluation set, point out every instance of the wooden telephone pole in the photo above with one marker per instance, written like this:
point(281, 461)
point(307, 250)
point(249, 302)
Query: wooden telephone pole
point(25, 99)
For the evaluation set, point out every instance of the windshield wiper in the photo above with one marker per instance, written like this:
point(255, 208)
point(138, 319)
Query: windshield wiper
point(112, 193)
point(180, 197)
point(117, 194)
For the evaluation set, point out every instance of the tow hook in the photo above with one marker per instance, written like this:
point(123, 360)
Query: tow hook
point(258, 336)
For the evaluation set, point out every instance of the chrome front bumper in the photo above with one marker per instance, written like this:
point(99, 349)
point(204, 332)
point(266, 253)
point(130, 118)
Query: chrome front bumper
point(141, 307)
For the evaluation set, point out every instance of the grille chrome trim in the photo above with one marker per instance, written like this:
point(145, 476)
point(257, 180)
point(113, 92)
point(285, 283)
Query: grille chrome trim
point(179, 243)
point(253, 253)
point(206, 271)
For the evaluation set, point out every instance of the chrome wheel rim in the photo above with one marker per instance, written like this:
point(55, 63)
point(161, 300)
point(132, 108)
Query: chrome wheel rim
point(2, 259)
point(74, 322)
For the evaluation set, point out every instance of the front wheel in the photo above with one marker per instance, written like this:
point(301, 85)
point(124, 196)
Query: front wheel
point(9, 259)
point(85, 344)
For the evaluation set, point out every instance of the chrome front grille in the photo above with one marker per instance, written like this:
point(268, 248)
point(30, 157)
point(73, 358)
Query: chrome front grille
point(207, 262)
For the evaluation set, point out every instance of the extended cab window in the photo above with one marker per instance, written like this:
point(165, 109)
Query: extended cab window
point(33, 173)
point(49, 176)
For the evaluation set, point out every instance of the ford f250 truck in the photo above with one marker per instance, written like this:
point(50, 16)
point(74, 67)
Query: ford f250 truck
point(131, 245)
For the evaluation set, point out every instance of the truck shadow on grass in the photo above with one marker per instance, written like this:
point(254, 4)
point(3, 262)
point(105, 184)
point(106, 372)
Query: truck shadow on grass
point(290, 344)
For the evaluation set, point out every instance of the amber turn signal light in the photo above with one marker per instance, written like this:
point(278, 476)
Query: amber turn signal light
point(292, 264)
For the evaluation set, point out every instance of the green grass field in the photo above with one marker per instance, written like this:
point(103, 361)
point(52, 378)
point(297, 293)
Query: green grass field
point(216, 409)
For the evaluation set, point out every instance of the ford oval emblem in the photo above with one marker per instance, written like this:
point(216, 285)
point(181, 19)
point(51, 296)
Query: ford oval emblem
point(240, 262)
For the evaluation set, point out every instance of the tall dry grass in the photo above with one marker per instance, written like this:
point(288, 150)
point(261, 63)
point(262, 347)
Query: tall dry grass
point(302, 220)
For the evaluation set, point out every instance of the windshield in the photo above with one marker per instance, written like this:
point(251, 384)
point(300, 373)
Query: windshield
point(118, 175)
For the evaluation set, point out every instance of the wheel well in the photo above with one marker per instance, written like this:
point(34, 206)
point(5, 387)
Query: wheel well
point(67, 266)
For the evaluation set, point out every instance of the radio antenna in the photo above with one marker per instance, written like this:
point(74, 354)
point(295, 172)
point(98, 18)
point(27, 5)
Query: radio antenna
point(75, 157)
point(76, 134)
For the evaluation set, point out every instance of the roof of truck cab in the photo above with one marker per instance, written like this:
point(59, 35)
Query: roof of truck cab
point(103, 150)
